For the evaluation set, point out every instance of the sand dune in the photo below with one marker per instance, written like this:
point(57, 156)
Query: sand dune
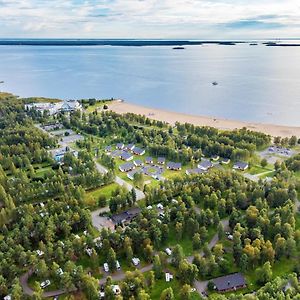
point(122, 107)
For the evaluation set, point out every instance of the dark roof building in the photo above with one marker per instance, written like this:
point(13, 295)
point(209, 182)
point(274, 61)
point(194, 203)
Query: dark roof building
point(126, 156)
point(161, 160)
point(129, 147)
point(127, 167)
point(138, 151)
point(131, 174)
point(194, 171)
point(108, 148)
point(116, 153)
point(241, 166)
point(205, 165)
point(138, 163)
point(120, 146)
point(149, 160)
point(125, 216)
point(225, 161)
point(229, 282)
point(174, 166)
point(215, 157)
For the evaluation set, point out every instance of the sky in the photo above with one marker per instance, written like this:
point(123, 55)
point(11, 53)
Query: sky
point(190, 19)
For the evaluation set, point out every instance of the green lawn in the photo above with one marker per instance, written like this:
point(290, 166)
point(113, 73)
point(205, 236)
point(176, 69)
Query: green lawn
point(105, 190)
point(161, 285)
point(270, 174)
point(96, 106)
point(257, 169)
point(186, 241)
point(92, 196)
point(41, 172)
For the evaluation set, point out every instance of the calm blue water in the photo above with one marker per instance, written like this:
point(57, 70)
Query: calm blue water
point(256, 83)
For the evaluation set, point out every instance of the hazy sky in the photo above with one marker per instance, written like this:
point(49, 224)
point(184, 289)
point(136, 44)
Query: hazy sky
point(202, 19)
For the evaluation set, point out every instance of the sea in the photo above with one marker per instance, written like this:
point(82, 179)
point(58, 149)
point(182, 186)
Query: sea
point(254, 83)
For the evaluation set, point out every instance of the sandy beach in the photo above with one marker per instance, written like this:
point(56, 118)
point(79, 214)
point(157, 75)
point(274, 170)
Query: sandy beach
point(123, 107)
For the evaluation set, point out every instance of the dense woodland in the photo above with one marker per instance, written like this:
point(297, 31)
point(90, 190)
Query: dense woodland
point(47, 212)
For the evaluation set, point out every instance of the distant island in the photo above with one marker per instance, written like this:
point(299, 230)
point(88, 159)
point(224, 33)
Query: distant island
point(178, 48)
point(272, 44)
point(108, 42)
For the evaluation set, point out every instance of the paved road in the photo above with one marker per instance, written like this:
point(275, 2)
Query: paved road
point(28, 291)
point(120, 275)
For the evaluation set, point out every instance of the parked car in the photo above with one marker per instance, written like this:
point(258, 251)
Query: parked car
point(136, 261)
point(106, 267)
point(118, 265)
point(168, 251)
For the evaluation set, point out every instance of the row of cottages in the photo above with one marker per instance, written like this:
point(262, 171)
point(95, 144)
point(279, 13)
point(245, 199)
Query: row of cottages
point(174, 166)
point(230, 282)
point(124, 155)
point(130, 147)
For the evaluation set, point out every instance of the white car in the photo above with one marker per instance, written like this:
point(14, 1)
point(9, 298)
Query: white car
point(106, 267)
point(45, 283)
point(89, 251)
point(39, 252)
point(118, 265)
point(168, 251)
point(160, 206)
point(136, 261)
point(230, 237)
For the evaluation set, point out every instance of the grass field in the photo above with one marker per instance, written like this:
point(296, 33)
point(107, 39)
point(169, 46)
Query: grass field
point(97, 106)
point(161, 285)
point(92, 196)
point(105, 190)
point(257, 169)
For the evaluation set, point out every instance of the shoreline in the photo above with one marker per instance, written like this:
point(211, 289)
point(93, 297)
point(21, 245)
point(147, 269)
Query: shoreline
point(122, 107)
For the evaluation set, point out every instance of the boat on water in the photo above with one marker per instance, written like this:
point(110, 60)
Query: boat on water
point(214, 83)
point(178, 48)
point(253, 44)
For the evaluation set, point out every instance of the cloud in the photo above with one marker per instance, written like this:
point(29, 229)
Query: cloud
point(149, 18)
point(252, 24)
